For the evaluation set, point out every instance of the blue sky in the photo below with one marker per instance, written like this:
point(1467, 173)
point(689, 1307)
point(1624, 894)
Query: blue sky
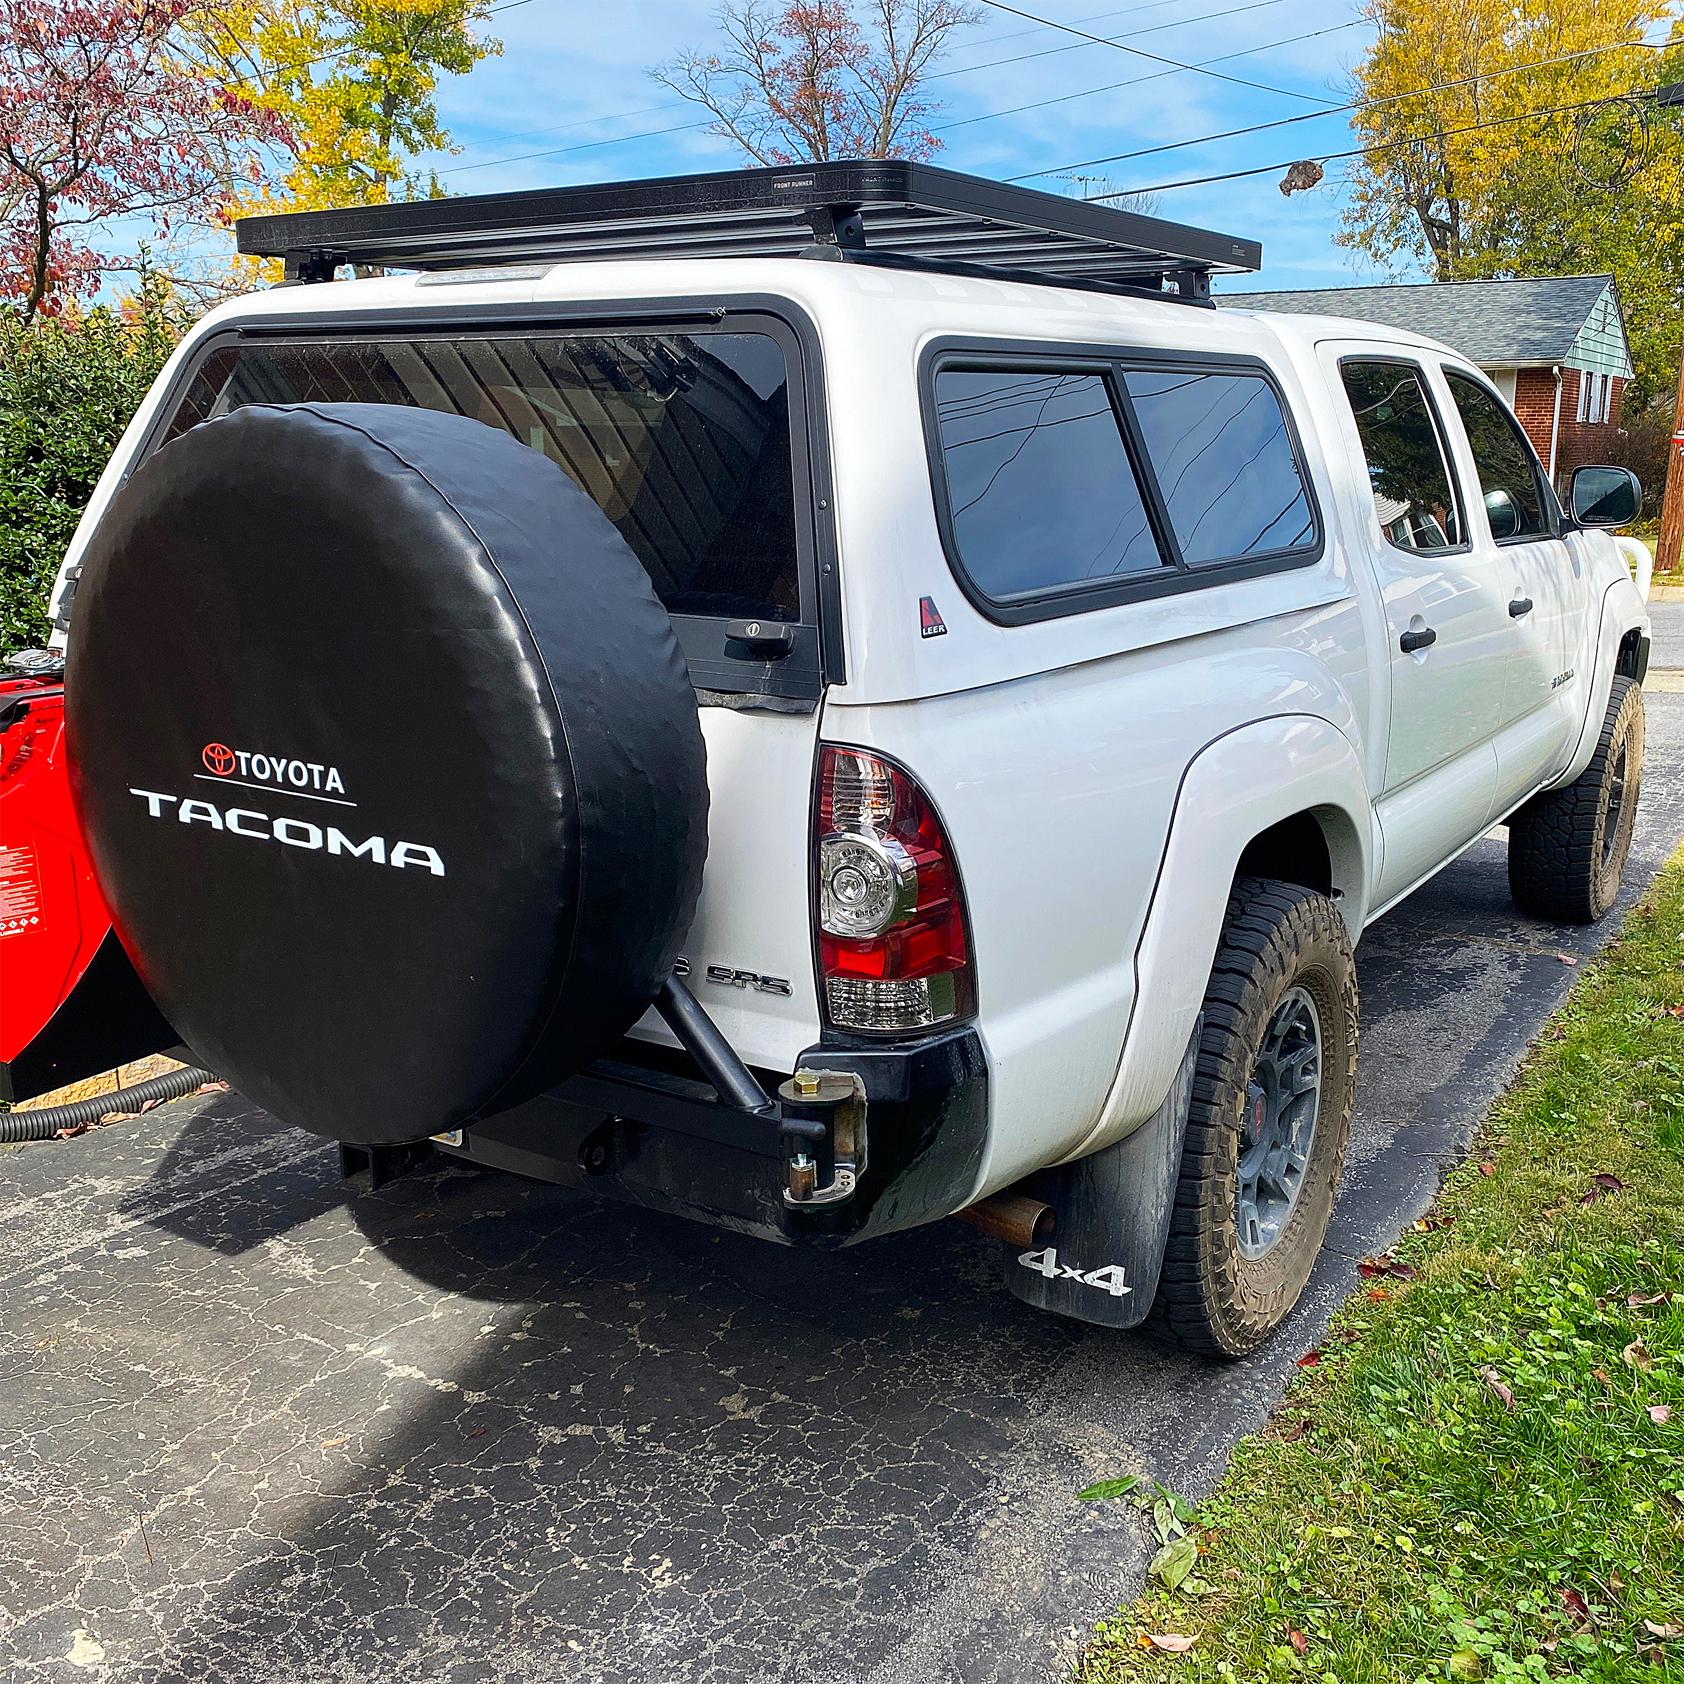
point(575, 76)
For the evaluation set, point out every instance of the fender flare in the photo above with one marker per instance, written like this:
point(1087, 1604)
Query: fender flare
point(1641, 562)
point(1219, 808)
point(1620, 612)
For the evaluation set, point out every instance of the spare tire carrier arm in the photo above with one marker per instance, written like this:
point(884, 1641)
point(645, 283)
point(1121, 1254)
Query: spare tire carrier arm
point(818, 1106)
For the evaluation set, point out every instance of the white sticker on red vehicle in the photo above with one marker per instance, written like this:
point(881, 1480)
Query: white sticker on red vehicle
point(20, 891)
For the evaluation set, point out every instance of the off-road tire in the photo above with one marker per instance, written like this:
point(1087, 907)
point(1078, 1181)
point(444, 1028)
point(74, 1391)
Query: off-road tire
point(1564, 865)
point(1212, 1299)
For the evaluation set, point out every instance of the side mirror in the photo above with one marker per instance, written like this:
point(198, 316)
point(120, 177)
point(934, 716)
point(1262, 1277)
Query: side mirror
point(1503, 516)
point(1605, 496)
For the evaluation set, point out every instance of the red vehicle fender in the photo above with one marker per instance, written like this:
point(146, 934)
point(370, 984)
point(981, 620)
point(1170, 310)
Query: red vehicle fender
point(52, 918)
point(70, 1004)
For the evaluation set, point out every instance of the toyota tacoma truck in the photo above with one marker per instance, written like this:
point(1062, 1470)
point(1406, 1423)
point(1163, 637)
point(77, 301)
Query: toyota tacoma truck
point(817, 699)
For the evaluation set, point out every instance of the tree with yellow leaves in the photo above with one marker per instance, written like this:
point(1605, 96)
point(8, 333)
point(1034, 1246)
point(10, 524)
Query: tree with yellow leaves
point(1534, 150)
point(352, 84)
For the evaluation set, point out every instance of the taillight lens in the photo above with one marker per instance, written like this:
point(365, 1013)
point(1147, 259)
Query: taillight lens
point(894, 956)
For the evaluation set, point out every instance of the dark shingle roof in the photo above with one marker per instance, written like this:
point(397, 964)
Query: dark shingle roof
point(1489, 322)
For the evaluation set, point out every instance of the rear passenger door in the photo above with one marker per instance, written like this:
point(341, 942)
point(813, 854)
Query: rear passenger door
point(1516, 534)
point(1445, 615)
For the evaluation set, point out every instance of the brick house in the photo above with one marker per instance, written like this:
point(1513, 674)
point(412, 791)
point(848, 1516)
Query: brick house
point(1555, 348)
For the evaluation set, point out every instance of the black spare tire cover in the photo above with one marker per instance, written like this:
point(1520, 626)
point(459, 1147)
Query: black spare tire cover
point(387, 759)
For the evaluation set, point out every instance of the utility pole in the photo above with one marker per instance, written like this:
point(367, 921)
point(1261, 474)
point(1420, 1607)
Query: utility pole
point(1671, 538)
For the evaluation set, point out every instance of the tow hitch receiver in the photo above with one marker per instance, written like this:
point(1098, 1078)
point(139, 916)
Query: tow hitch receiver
point(783, 1157)
point(815, 1128)
point(821, 1113)
point(824, 1137)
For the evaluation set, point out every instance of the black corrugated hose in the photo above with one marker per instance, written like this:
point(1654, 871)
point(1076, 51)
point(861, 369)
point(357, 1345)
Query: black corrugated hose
point(43, 1125)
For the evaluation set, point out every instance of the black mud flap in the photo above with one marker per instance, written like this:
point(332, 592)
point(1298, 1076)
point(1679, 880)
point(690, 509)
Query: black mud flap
point(1111, 1219)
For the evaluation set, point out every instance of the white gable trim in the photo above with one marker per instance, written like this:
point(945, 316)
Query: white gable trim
point(1600, 346)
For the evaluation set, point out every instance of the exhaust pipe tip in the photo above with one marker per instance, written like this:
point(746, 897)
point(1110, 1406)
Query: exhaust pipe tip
point(1013, 1217)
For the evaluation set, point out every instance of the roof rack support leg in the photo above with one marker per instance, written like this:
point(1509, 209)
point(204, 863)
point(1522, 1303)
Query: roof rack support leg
point(307, 268)
point(837, 230)
point(1192, 285)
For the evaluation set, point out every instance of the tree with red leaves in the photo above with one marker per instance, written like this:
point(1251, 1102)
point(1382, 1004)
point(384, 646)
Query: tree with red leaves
point(101, 120)
point(811, 81)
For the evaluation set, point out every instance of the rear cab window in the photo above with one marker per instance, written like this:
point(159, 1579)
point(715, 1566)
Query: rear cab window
point(1067, 481)
point(684, 439)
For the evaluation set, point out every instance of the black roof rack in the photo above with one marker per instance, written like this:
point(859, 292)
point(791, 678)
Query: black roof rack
point(872, 208)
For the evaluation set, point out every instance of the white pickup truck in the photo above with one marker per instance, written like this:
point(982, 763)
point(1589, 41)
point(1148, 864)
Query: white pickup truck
point(824, 746)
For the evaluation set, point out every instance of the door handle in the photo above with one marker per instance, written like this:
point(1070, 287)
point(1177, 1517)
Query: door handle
point(765, 640)
point(1520, 605)
point(1413, 640)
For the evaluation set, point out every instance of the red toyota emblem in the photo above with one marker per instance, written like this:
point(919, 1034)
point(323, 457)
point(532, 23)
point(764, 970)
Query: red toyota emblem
point(219, 758)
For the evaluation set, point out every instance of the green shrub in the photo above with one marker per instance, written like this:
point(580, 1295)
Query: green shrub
point(1644, 444)
point(68, 386)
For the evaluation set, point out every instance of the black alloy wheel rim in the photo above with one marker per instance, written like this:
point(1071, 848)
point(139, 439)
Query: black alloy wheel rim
point(1278, 1128)
point(1615, 817)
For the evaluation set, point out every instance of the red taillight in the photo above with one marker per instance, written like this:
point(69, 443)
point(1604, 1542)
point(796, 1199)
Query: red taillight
point(894, 956)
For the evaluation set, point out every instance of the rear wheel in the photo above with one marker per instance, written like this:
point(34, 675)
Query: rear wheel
point(1568, 847)
point(1270, 1116)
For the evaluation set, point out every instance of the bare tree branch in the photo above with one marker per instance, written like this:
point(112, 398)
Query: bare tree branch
point(814, 80)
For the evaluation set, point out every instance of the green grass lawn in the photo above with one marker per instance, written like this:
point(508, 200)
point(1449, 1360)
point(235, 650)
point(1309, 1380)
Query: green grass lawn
point(1482, 1473)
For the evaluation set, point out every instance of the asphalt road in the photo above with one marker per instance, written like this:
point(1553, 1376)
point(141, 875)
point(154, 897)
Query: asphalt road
point(1667, 623)
point(470, 1428)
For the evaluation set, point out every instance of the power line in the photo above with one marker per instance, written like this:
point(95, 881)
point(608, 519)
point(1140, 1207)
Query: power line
point(578, 146)
point(1366, 151)
point(1156, 75)
point(1330, 111)
point(1157, 58)
point(1175, 67)
point(505, 136)
point(1091, 17)
point(1089, 40)
point(674, 105)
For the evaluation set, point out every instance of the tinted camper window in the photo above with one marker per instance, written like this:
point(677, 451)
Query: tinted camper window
point(682, 439)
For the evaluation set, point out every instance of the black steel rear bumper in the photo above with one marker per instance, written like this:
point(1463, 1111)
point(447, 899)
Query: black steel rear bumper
point(652, 1133)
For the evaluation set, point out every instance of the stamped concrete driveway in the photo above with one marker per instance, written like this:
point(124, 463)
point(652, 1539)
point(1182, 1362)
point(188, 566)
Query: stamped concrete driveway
point(470, 1428)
